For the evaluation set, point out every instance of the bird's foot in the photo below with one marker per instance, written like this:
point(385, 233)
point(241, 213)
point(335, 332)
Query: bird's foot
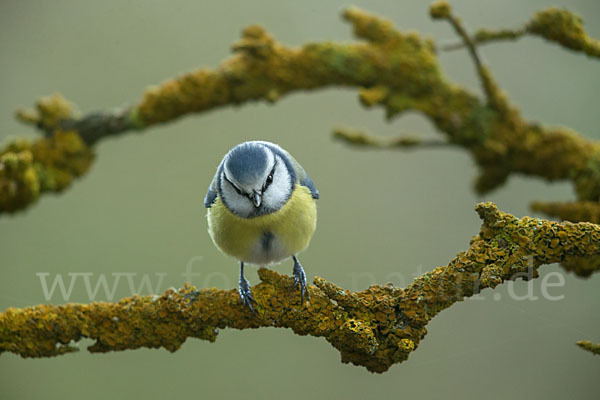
point(300, 280)
point(246, 293)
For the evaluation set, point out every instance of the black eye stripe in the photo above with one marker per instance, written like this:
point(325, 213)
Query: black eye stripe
point(268, 182)
point(232, 185)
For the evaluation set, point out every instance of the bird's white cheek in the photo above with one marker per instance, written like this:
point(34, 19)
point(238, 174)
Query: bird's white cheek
point(279, 191)
point(238, 204)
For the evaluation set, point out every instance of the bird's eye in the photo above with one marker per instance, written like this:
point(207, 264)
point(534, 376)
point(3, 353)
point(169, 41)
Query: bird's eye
point(269, 178)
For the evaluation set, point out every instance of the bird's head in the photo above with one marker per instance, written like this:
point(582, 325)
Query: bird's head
point(256, 178)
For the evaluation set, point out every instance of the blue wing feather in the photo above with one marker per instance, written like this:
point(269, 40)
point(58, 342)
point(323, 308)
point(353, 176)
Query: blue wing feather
point(311, 186)
point(210, 198)
point(213, 189)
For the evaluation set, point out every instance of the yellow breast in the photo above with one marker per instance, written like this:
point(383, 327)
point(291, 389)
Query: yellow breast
point(267, 238)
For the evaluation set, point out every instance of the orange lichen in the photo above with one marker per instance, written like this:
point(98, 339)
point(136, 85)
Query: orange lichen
point(375, 328)
point(398, 71)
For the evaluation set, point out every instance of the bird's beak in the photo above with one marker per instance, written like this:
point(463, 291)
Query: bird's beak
point(257, 199)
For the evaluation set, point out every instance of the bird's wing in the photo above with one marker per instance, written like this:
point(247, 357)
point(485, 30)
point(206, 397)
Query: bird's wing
point(211, 195)
point(303, 178)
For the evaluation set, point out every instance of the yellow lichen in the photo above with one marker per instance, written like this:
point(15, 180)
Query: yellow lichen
point(392, 69)
point(557, 25)
point(564, 27)
point(49, 112)
point(406, 345)
point(593, 348)
point(28, 169)
point(439, 10)
point(375, 328)
point(577, 211)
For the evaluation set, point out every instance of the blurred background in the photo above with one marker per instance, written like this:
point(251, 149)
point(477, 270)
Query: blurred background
point(384, 216)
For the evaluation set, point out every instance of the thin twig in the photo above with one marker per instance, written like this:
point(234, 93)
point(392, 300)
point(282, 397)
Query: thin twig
point(363, 139)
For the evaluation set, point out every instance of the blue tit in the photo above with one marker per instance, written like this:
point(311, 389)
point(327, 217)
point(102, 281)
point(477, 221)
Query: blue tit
point(261, 209)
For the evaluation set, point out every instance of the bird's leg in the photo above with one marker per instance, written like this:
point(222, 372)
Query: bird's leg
point(300, 279)
point(244, 289)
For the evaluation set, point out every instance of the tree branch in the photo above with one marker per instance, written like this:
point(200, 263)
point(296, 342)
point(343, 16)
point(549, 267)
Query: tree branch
point(398, 71)
point(374, 328)
point(553, 24)
point(363, 139)
point(486, 36)
point(593, 348)
point(574, 211)
point(394, 70)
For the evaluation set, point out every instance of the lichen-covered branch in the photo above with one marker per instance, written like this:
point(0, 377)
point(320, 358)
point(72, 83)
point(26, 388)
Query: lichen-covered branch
point(485, 36)
point(374, 328)
point(507, 144)
point(574, 211)
point(363, 139)
point(49, 164)
point(394, 70)
point(553, 24)
point(593, 348)
point(29, 168)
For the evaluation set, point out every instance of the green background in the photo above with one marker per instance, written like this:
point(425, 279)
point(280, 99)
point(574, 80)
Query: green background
point(383, 216)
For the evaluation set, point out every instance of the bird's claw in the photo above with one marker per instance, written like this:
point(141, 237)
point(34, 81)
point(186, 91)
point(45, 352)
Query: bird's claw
point(300, 280)
point(246, 293)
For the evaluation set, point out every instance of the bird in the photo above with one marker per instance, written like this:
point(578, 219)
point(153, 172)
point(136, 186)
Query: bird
point(261, 210)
